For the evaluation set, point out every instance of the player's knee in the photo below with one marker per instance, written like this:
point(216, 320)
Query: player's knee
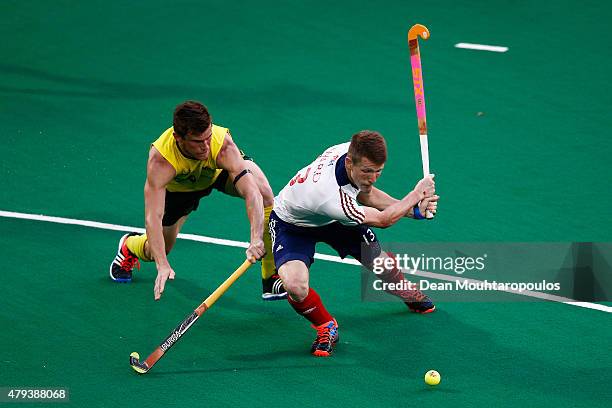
point(297, 292)
point(295, 279)
point(369, 255)
point(296, 288)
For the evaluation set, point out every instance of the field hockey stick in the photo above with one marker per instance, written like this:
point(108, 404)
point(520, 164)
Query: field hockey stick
point(419, 94)
point(142, 367)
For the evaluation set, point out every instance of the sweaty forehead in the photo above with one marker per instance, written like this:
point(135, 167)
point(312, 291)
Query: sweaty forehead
point(366, 164)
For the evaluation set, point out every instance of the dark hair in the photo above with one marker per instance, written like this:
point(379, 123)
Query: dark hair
point(369, 144)
point(190, 117)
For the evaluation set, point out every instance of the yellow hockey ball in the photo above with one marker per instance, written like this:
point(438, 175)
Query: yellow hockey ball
point(432, 377)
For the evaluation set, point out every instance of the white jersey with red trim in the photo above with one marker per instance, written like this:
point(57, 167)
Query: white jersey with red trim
point(321, 193)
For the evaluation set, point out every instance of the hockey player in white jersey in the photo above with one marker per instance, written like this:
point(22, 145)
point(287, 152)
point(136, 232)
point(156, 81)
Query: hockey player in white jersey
point(333, 200)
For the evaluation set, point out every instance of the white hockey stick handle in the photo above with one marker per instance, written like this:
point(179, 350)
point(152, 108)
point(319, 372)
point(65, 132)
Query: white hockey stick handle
point(425, 159)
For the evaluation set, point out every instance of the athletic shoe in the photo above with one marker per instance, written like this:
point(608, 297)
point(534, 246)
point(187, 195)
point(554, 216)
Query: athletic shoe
point(422, 304)
point(273, 288)
point(327, 337)
point(121, 268)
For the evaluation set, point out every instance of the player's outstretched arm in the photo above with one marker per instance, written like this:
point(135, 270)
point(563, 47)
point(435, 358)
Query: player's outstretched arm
point(425, 188)
point(159, 173)
point(230, 159)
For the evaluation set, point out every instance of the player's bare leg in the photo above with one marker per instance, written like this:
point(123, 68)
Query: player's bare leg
point(306, 302)
point(295, 276)
point(170, 233)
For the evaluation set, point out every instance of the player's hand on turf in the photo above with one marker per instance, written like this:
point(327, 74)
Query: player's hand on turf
point(255, 251)
point(429, 204)
point(426, 187)
point(163, 274)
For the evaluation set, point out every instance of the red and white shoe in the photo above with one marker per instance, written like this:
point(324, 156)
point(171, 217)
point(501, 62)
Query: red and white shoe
point(121, 268)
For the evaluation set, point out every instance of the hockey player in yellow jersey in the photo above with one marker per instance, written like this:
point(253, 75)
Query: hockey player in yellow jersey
point(186, 163)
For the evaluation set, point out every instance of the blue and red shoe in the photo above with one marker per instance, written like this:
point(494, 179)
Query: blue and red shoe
point(327, 337)
point(421, 304)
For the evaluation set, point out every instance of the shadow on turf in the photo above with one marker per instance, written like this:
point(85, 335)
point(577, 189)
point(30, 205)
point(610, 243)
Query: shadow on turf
point(315, 364)
point(438, 389)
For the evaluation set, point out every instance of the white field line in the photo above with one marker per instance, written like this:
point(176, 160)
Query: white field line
point(330, 258)
point(530, 293)
point(481, 47)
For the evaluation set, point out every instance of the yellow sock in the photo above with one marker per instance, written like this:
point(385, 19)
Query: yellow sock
point(267, 263)
point(136, 244)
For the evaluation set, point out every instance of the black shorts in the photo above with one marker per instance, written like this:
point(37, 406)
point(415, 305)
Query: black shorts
point(180, 204)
